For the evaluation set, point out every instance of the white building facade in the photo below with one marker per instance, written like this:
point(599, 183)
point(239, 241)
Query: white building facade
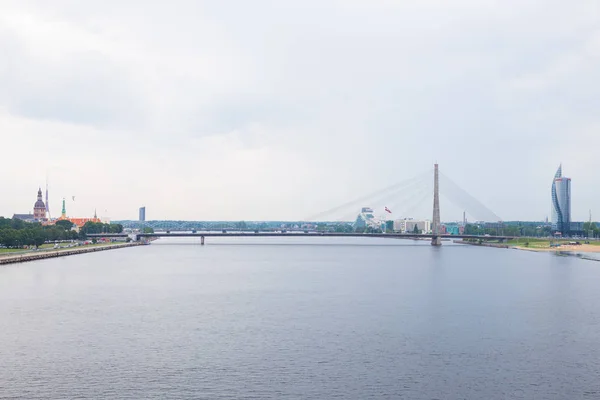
point(407, 225)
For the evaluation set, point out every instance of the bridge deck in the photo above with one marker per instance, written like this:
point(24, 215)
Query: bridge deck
point(299, 234)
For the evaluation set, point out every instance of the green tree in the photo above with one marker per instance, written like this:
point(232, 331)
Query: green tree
point(389, 226)
point(591, 229)
point(546, 231)
point(5, 223)
point(416, 230)
point(65, 224)
point(81, 235)
point(343, 228)
point(8, 237)
point(38, 238)
point(91, 227)
point(17, 224)
point(18, 234)
point(472, 229)
point(114, 228)
point(99, 227)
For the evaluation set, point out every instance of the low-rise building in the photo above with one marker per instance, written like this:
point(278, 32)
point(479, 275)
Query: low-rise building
point(367, 220)
point(453, 229)
point(407, 225)
point(24, 217)
point(77, 222)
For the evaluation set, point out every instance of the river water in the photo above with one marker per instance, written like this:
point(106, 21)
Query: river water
point(319, 318)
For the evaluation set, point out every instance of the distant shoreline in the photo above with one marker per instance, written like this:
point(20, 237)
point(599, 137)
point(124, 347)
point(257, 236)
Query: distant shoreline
point(581, 248)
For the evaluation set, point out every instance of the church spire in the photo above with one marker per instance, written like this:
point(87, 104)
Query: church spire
point(64, 209)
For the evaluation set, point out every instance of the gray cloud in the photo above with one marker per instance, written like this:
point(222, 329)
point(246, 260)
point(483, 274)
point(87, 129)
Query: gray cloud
point(251, 110)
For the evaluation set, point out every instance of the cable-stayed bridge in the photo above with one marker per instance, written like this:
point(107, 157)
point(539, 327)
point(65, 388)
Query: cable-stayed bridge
point(406, 195)
point(409, 196)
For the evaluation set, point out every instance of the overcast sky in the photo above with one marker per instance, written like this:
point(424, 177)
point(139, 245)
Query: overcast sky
point(281, 109)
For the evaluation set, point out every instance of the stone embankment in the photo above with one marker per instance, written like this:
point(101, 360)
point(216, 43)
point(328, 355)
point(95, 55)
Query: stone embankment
point(484, 244)
point(42, 255)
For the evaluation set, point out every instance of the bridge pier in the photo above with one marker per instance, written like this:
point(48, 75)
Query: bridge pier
point(202, 240)
point(436, 240)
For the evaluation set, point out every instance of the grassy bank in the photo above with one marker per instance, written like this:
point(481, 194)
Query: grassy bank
point(9, 251)
point(50, 248)
point(45, 254)
point(544, 243)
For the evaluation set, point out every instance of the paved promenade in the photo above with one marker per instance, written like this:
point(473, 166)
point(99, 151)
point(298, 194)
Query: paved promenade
point(42, 255)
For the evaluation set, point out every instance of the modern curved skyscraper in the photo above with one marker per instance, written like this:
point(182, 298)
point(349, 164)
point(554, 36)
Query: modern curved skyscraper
point(561, 203)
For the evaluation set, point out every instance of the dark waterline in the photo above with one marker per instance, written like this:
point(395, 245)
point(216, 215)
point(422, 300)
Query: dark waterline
point(273, 319)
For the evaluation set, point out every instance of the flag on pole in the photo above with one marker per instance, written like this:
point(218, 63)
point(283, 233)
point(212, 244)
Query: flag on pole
point(388, 210)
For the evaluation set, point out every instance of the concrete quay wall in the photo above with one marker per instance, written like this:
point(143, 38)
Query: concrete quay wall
point(12, 259)
point(484, 244)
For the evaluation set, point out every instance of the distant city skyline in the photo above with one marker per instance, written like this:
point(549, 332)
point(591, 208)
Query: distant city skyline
point(559, 210)
point(274, 112)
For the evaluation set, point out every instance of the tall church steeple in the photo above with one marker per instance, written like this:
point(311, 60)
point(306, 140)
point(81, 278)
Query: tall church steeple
point(64, 210)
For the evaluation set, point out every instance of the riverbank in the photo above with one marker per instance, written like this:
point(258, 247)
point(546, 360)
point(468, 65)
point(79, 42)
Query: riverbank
point(8, 258)
point(589, 252)
point(581, 248)
point(538, 245)
point(483, 244)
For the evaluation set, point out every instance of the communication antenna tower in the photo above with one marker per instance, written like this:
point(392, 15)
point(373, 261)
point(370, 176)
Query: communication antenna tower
point(47, 202)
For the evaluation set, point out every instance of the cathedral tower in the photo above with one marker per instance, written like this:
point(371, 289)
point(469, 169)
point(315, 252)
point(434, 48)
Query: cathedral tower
point(39, 209)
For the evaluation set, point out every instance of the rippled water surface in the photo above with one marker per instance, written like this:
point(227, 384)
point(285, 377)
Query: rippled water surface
point(318, 318)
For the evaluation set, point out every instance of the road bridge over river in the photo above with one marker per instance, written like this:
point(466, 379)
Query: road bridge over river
point(203, 235)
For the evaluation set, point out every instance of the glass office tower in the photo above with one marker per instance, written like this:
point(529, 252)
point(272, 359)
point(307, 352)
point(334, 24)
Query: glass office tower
point(561, 203)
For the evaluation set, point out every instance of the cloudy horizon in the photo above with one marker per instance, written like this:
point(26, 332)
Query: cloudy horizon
point(235, 111)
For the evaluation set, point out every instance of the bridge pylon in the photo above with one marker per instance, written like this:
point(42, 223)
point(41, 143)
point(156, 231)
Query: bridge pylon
point(435, 228)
